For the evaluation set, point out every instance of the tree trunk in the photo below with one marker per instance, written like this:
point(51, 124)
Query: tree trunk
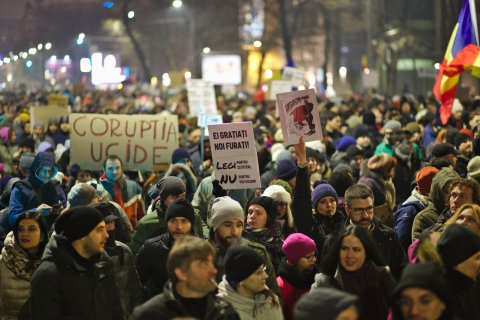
point(286, 35)
point(138, 50)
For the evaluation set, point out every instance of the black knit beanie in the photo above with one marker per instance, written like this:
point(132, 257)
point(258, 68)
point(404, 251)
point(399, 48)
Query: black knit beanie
point(170, 185)
point(180, 208)
point(324, 303)
point(78, 222)
point(268, 204)
point(456, 244)
point(240, 263)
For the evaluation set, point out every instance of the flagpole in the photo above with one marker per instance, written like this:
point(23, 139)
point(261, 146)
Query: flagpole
point(473, 16)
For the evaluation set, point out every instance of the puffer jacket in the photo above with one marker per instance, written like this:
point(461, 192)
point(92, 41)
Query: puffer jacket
point(16, 270)
point(258, 308)
point(65, 288)
point(126, 277)
point(167, 306)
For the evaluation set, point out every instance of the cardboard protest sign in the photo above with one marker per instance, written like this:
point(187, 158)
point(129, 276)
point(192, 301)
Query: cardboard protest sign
point(142, 142)
point(201, 94)
point(299, 116)
point(234, 155)
point(293, 74)
point(280, 86)
point(44, 113)
point(55, 99)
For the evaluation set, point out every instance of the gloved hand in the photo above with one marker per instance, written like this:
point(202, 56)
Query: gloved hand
point(218, 191)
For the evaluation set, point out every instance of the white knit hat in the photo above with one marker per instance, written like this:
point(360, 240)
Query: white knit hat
point(278, 193)
point(225, 209)
point(457, 106)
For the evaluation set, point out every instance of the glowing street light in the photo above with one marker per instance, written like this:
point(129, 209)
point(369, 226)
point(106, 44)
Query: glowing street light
point(257, 44)
point(32, 51)
point(131, 14)
point(48, 46)
point(206, 50)
point(40, 46)
point(177, 3)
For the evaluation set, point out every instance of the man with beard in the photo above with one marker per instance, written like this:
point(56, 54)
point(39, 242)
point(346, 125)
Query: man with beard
point(360, 211)
point(464, 147)
point(297, 270)
point(189, 293)
point(75, 279)
point(151, 260)
point(227, 227)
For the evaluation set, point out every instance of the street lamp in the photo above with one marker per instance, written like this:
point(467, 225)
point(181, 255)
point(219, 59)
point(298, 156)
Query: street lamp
point(131, 14)
point(177, 3)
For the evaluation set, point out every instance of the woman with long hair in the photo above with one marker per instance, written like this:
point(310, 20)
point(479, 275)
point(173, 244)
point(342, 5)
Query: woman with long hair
point(21, 255)
point(354, 265)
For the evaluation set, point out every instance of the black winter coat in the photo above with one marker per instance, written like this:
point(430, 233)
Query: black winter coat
point(165, 307)
point(63, 288)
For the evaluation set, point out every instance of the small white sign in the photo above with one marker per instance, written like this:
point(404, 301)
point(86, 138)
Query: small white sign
point(201, 95)
point(299, 116)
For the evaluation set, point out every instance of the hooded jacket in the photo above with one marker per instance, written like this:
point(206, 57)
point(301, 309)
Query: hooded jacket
point(258, 308)
point(429, 216)
point(29, 193)
point(63, 288)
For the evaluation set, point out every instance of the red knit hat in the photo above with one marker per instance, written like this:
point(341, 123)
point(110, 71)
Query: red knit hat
point(424, 179)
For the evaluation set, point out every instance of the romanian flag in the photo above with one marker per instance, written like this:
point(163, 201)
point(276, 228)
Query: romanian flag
point(462, 54)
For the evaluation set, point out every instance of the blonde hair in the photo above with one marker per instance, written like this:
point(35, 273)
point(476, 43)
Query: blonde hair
point(476, 216)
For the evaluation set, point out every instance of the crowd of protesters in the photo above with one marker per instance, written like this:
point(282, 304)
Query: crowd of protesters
point(378, 220)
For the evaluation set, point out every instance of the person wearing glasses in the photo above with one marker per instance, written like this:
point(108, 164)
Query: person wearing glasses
point(422, 293)
point(244, 286)
point(282, 200)
point(360, 211)
point(20, 257)
point(296, 271)
point(353, 264)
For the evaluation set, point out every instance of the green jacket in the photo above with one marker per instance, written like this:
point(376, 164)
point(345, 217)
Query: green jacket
point(152, 225)
point(429, 216)
point(384, 148)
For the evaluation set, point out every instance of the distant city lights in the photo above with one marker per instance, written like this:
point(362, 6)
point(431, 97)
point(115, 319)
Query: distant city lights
point(48, 46)
point(177, 3)
point(131, 14)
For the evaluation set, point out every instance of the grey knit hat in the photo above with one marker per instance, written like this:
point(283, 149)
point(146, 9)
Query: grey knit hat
point(394, 125)
point(81, 194)
point(225, 209)
point(26, 160)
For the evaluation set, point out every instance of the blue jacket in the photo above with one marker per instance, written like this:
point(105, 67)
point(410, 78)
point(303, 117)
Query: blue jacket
point(404, 217)
point(29, 193)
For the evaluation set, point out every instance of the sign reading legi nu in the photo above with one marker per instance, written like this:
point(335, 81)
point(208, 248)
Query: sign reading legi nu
point(234, 155)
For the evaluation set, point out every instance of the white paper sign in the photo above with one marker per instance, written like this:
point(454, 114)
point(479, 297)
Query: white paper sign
point(294, 74)
point(234, 155)
point(204, 120)
point(299, 116)
point(280, 86)
point(201, 94)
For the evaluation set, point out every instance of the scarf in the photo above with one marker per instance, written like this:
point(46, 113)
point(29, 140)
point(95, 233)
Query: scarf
point(18, 260)
point(367, 285)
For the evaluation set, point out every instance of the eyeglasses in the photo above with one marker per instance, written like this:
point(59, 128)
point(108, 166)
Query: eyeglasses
point(359, 211)
point(281, 203)
point(311, 258)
